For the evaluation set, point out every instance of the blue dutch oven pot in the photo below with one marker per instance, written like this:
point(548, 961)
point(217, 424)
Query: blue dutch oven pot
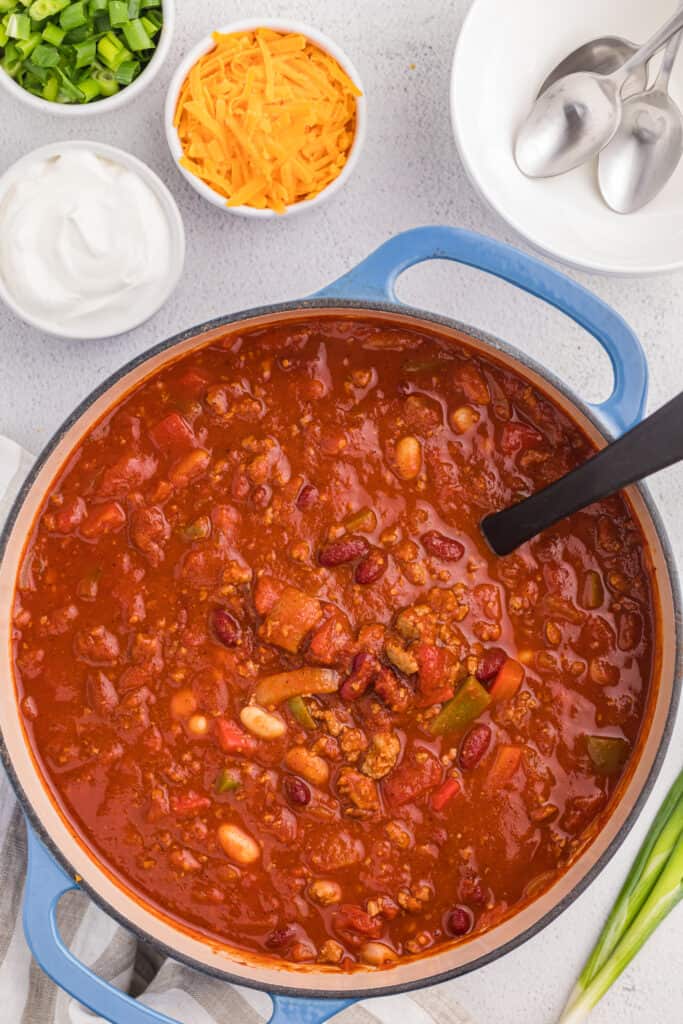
point(58, 860)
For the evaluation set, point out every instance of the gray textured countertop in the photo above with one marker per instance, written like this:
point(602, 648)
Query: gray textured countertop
point(409, 175)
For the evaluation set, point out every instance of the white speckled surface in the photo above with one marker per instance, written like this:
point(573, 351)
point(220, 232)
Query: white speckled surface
point(409, 175)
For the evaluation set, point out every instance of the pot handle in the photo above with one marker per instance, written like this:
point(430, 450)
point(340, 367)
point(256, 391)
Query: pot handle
point(46, 883)
point(374, 279)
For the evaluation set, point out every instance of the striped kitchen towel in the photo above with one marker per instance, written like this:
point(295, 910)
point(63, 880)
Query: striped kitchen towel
point(27, 996)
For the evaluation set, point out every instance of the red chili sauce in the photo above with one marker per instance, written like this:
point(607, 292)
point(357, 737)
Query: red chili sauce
point(275, 678)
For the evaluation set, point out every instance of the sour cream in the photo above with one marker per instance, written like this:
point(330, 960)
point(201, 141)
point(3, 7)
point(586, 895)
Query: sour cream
point(86, 246)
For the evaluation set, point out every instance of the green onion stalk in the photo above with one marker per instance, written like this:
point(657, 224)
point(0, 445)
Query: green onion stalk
point(652, 889)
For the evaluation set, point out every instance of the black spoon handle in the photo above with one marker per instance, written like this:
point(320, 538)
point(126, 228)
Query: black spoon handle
point(655, 443)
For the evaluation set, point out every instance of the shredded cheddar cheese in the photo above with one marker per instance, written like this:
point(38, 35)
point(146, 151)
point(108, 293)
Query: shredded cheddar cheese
point(266, 119)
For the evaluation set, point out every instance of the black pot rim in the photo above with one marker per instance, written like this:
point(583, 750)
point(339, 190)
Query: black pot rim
point(351, 992)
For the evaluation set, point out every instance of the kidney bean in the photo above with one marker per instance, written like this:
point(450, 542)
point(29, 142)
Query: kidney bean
point(297, 791)
point(307, 498)
point(474, 746)
point(226, 627)
point(365, 667)
point(490, 665)
point(372, 567)
point(446, 548)
point(459, 921)
point(346, 549)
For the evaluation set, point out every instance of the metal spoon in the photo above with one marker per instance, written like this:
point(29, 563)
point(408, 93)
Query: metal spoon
point(655, 443)
point(578, 115)
point(603, 55)
point(648, 145)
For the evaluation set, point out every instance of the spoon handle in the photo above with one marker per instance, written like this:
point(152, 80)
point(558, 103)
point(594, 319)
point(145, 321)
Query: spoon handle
point(654, 43)
point(668, 61)
point(655, 443)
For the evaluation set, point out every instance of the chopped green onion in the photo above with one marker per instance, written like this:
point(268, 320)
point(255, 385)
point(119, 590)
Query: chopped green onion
point(95, 47)
point(12, 60)
point(126, 72)
point(27, 46)
point(118, 12)
point(108, 84)
point(34, 71)
point(41, 9)
point(90, 89)
point(652, 889)
point(108, 50)
point(136, 36)
point(19, 26)
point(73, 16)
point(67, 88)
point(51, 89)
point(150, 27)
point(53, 34)
point(46, 56)
point(78, 35)
point(85, 53)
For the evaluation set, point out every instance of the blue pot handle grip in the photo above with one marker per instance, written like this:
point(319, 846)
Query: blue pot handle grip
point(374, 279)
point(46, 883)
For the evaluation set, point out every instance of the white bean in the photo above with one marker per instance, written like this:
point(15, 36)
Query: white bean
point(324, 891)
point(261, 723)
point(313, 768)
point(376, 954)
point(238, 844)
point(409, 457)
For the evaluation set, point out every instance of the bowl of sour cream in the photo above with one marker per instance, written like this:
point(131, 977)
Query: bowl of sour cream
point(92, 243)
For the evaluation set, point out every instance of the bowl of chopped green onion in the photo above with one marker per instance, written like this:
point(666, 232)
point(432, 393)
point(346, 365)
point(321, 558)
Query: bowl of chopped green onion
point(78, 58)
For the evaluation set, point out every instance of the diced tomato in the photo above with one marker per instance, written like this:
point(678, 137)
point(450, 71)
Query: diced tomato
point(331, 640)
point(355, 924)
point(508, 680)
point(232, 739)
point(106, 518)
point(186, 804)
point(445, 793)
point(433, 675)
point(173, 432)
point(506, 763)
point(518, 436)
point(419, 772)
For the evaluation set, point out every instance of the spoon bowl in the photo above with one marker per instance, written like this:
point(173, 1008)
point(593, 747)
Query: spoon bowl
point(647, 146)
point(601, 56)
point(578, 115)
point(643, 154)
point(568, 123)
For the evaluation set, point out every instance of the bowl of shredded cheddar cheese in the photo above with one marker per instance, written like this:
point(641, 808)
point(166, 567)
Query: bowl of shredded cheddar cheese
point(266, 118)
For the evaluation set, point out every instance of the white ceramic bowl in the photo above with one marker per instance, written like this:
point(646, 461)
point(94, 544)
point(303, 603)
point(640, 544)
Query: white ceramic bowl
point(278, 25)
point(119, 99)
point(168, 206)
point(503, 54)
